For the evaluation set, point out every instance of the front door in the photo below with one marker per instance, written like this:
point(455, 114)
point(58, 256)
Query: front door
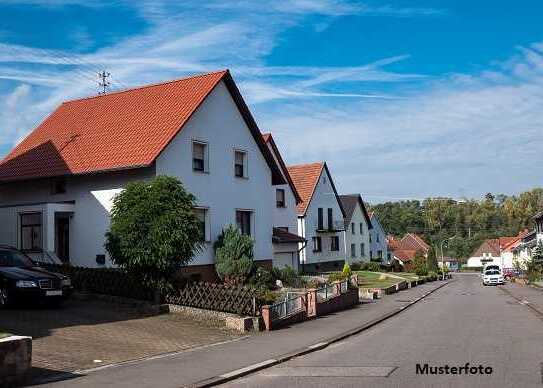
point(62, 243)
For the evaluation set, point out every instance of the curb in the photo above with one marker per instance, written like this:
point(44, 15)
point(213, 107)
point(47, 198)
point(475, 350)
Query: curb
point(233, 375)
point(535, 310)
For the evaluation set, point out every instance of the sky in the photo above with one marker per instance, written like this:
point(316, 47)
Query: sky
point(402, 99)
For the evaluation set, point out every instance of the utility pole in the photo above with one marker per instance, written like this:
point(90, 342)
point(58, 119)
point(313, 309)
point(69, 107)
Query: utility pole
point(103, 82)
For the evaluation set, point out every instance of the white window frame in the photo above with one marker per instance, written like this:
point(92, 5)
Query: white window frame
point(206, 156)
point(252, 221)
point(207, 223)
point(245, 163)
point(284, 205)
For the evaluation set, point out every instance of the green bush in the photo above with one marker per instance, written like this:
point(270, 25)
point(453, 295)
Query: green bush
point(336, 276)
point(371, 266)
point(262, 279)
point(234, 256)
point(288, 276)
point(267, 297)
point(356, 266)
point(419, 264)
point(153, 230)
point(347, 270)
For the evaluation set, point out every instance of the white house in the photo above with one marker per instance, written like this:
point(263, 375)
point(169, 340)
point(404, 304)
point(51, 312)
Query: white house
point(357, 228)
point(286, 241)
point(378, 240)
point(501, 251)
point(320, 218)
point(538, 219)
point(57, 185)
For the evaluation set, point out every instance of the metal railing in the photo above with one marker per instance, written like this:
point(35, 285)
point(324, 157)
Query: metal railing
point(286, 308)
point(344, 286)
point(327, 292)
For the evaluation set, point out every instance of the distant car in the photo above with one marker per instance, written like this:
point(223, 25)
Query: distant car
point(22, 281)
point(493, 277)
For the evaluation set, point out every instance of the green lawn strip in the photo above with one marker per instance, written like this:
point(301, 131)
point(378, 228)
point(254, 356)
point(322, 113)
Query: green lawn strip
point(368, 279)
point(407, 275)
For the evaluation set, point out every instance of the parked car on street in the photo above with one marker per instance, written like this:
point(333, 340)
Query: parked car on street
point(21, 280)
point(493, 276)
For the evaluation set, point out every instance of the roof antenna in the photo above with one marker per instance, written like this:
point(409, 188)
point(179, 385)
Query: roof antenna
point(103, 82)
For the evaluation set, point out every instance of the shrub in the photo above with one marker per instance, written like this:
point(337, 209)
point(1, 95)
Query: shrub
point(234, 256)
point(262, 279)
point(347, 270)
point(419, 264)
point(371, 266)
point(336, 276)
point(153, 230)
point(356, 266)
point(288, 276)
point(267, 297)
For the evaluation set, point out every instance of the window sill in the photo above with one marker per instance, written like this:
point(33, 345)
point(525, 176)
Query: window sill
point(200, 172)
point(241, 177)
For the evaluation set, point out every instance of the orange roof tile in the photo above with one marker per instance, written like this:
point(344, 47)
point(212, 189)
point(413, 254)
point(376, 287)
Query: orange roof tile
point(125, 129)
point(305, 178)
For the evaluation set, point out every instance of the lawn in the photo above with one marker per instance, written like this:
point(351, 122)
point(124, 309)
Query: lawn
point(407, 275)
point(367, 279)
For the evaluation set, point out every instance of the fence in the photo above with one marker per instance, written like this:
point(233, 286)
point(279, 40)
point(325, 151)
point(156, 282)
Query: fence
point(286, 308)
point(217, 297)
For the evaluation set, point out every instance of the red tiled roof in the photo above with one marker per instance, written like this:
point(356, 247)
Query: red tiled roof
point(405, 254)
point(126, 129)
point(268, 139)
point(393, 243)
point(305, 178)
point(413, 241)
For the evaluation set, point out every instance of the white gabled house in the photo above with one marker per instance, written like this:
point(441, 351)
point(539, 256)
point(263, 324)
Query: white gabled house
point(286, 241)
point(57, 185)
point(320, 218)
point(357, 228)
point(378, 241)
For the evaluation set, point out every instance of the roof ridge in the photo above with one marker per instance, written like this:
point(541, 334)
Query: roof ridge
point(146, 86)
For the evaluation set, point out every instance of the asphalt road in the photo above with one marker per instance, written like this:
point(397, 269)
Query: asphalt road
point(461, 323)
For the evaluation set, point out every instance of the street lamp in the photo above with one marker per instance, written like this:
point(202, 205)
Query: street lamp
point(442, 258)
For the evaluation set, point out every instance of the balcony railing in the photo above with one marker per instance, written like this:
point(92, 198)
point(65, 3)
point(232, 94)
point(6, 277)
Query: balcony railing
point(335, 226)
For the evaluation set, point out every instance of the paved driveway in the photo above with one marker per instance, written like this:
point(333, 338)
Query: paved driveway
point(87, 334)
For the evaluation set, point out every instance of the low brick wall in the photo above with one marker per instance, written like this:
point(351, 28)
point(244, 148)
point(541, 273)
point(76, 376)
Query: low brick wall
point(370, 293)
point(341, 302)
point(15, 360)
point(231, 321)
point(273, 325)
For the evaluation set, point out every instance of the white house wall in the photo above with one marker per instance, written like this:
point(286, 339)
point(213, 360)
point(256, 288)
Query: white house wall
point(92, 196)
point(378, 239)
point(358, 238)
point(323, 197)
point(219, 124)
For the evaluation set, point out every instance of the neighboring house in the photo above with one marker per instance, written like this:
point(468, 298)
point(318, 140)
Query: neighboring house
point(357, 228)
point(320, 218)
point(378, 240)
point(538, 219)
point(286, 241)
point(405, 250)
point(449, 263)
point(523, 251)
point(500, 251)
point(57, 185)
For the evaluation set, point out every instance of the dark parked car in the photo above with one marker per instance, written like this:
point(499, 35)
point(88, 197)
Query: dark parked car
point(21, 280)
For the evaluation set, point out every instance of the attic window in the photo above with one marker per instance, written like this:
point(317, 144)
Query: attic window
point(58, 186)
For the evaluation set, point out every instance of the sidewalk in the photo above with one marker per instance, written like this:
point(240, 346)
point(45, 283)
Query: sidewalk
point(530, 296)
point(188, 368)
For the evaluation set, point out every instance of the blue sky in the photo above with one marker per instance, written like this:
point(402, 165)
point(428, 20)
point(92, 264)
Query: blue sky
point(404, 99)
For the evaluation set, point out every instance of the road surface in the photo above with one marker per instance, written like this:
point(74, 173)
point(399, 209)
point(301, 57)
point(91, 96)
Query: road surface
point(464, 322)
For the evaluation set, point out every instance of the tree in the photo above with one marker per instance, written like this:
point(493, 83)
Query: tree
point(419, 265)
point(153, 230)
point(233, 255)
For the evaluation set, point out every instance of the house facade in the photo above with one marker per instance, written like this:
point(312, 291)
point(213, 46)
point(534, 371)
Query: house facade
point(404, 251)
point(502, 251)
point(357, 228)
point(378, 240)
point(57, 185)
point(320, 218)
point(286, 242)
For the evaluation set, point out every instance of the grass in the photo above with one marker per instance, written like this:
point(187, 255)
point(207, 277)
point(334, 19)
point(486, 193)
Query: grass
point(369, 279)
point(2, 334)
point(407, 275)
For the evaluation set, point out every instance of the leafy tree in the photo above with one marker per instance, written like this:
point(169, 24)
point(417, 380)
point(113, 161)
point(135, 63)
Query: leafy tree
point(419, 265)
point(234, 256)
point(153, 230)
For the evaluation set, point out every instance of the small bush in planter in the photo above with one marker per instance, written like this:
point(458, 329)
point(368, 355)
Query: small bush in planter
point(262, 279)
point(371, 266)
point(336, 276)
point(347, 270)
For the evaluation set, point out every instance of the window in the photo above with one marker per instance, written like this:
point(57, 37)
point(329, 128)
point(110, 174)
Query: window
point(362, 250)
point(380, 254)
point(317, 244)
point(352, 228)
point(202, 215)
point(58, 186)
point(31, 232)
point(243, 221)
point(320, 225)
point(371, 255)
point(361, 228)
point(377, 237)
point(330, 219)
point(353, 250)
point(240, 164)
point(334, 243)
point(370, 237)
point(280, 198)
point(199, 156)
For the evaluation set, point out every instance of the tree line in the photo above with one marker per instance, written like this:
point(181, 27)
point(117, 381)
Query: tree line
point(470, 221)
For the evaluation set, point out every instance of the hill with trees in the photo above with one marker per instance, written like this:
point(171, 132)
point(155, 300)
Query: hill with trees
point(471, 221)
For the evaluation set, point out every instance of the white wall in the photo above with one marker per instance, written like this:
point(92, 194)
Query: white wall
point(219, 123)
point(358, 238)
point(378, 233)
point(90, 221)
point(285, 255)
point(323, 197)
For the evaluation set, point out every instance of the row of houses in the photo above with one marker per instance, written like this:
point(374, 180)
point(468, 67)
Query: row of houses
point(509, 251)
point(57, 185)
